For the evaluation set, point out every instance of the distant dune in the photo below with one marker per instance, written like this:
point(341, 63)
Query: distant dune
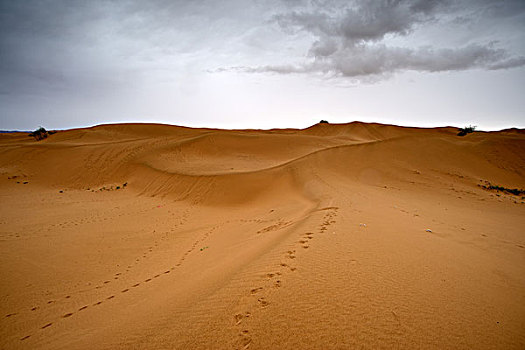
point(338, 236)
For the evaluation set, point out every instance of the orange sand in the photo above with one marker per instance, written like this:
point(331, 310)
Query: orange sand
point(280, 239)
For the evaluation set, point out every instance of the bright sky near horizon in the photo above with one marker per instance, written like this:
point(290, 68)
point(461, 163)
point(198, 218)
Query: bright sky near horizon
point(262, 64)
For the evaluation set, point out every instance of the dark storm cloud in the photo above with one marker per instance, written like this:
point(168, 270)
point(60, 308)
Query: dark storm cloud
point(354, 41)
point(368, 21)
point(98, 47)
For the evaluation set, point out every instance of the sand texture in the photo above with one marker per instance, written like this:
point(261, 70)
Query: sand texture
point(348, 236)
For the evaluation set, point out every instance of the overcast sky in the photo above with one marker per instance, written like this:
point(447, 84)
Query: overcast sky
point(262, 64)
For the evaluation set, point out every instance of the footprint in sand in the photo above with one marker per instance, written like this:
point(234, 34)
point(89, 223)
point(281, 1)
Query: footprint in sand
point(263, 302)
point(246, 340)
point(238, 318)
point(256, 290)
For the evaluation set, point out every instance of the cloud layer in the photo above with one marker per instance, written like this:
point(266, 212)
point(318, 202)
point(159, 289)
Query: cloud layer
point(355, 41)
point(70, 63)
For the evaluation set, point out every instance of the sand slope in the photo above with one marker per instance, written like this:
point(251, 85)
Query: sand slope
point(140, 236)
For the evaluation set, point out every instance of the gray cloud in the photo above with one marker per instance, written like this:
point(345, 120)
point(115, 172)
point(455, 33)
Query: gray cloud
point(367, 21)
point(354, 41)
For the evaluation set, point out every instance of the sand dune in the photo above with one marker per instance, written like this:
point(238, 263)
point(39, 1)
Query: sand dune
point(140, 236)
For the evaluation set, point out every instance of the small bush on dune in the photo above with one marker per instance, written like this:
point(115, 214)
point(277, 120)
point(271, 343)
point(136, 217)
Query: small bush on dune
point(466, 130)
point(323, 122)
point(40, 134)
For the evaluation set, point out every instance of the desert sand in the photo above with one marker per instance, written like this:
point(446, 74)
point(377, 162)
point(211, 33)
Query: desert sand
point(338, 236)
